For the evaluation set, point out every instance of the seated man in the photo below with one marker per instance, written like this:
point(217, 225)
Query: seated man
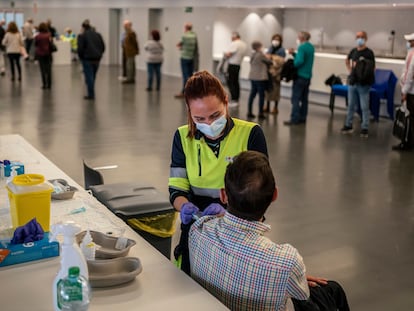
point(232, 259)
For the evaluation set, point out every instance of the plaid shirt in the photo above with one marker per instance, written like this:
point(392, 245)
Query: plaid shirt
point(232, 259)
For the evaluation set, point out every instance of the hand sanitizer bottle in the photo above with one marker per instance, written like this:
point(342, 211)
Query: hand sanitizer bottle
point(71, 255)
point(73, 292)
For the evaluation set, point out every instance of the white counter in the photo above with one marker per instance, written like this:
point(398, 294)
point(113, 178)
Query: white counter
point(63, 55)
point(160, 286)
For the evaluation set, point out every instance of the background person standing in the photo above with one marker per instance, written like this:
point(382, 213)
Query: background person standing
point(235, 55)
point(189, 55)
point(3, 56)
point(277, 54)
point(28, 36)
point(407, 92)
point(90, 50)
point(43, 54)
point(13, 42)
point(303, 62)
point(258, 77)
point(154, 58)
point(358, 89)
point(130, 50)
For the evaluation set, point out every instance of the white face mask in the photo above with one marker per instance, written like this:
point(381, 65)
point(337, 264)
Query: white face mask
point(297, 42)
point(214, 129)
point(360, 41)
point(275, 43)
point(408, 45)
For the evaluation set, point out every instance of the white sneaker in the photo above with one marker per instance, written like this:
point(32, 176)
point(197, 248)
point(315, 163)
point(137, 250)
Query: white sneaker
point(233, 104)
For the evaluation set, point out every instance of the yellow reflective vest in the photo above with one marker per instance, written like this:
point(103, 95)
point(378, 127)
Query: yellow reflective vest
point(204, 172)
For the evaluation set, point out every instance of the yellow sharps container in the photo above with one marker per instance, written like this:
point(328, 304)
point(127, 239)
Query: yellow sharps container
point(29, 198)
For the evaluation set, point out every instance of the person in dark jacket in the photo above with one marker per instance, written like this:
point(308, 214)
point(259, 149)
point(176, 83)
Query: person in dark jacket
point(3, 55)
point(43, 54)
point(90, 50)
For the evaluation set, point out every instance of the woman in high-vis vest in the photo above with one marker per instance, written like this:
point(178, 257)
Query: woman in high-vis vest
point(201, 151)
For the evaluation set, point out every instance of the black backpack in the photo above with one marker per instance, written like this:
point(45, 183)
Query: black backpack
point(289, 71)
point(363, 72)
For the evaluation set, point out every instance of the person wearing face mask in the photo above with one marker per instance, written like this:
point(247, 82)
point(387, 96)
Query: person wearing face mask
point(407, 92)
point(277, 54)
point(358, 91)
point(201, 151)
point(303, 62)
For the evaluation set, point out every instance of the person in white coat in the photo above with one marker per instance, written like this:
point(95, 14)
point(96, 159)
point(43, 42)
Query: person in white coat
point(407, 92)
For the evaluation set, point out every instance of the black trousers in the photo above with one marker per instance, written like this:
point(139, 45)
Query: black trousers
point(45, 64)
point(233, 81)
point(410, 107)
point(330, 297)
point(14, 59)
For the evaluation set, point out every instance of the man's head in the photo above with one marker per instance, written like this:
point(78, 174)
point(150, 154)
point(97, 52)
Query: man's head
point(257, 45)
point(2, 22)
point(410, 40)
point(249, 186)
point(188, 27)
point(304, 36)
point(235, 36)
point(361, 38)
point(127, 24)
point(86, 24)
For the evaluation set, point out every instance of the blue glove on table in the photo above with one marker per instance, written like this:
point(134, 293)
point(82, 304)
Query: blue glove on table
point(30, 232)
point(214, 209)
point(188, 209)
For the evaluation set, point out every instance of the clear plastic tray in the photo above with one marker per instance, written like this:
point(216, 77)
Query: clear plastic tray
point(66, 195)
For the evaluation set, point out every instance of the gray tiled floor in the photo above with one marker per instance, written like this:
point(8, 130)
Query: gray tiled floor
point(346, 203)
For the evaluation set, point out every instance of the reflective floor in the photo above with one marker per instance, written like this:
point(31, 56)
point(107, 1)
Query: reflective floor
point(346, 203)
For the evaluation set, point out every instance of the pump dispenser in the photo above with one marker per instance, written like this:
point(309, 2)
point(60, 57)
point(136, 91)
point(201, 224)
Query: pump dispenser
point(71, 255)
point(88, 247)
point(13, 173)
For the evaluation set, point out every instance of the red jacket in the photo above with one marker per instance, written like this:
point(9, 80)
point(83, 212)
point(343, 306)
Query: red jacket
point(43, 44)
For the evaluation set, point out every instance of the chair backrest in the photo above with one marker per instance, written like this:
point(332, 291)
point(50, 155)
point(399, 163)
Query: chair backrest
point(385, 81)
point(91, 176)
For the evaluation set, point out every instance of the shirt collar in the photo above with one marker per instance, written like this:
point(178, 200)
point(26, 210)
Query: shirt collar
point(256, 226)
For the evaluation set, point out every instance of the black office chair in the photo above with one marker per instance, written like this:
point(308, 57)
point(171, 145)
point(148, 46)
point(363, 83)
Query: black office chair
point(133, 202)
point(91, 176)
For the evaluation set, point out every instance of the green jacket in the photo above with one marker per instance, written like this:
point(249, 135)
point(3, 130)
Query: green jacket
point(304, 60)
point(189, 45)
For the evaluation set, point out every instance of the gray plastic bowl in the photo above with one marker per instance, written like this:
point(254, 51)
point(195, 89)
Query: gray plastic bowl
point(106, 245)
point(111, 272)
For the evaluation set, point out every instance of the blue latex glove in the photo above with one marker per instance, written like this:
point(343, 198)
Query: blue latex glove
point(30, 232)
point(214, 209)
point(188, 209)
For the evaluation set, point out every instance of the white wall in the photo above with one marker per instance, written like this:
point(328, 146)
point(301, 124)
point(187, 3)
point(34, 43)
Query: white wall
point(340, 25)
point(251, 24)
